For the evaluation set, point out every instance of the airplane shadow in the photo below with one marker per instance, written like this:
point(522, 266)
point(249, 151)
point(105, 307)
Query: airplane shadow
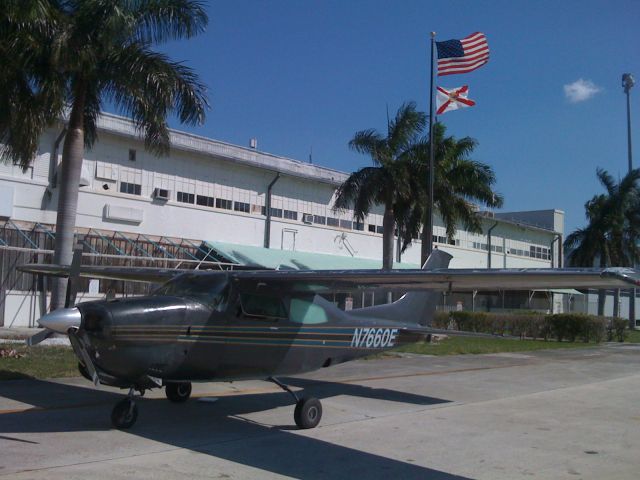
point(212, 429)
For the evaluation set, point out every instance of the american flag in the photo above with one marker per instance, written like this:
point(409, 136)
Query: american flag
point(462, 56)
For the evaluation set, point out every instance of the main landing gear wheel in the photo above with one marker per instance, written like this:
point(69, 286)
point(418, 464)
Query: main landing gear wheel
point(178, 392)
point(308, 412)
point(124, 414)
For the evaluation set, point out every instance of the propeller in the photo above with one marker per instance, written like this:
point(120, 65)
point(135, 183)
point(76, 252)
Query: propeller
point(61, 320)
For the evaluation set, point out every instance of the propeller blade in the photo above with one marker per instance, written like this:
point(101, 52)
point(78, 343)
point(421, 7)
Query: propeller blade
point(39, 337)
point(74, 275)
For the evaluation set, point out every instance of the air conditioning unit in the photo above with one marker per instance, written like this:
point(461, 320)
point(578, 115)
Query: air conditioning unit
point(160, 194)
point(307, 218)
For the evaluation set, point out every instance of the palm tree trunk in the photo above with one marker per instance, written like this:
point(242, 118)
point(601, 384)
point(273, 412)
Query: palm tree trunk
point(388, 228)
point(68, 183)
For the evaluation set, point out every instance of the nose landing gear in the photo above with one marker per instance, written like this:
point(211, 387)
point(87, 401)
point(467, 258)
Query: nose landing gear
point(125, 412)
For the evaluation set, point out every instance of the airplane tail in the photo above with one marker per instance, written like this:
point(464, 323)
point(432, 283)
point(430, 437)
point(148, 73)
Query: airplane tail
point(412, 307)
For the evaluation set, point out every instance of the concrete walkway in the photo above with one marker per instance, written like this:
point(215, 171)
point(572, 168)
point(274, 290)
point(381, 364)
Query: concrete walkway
point(557, 414)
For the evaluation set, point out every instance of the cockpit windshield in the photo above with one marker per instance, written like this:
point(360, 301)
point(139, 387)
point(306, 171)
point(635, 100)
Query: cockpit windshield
point(205, 289)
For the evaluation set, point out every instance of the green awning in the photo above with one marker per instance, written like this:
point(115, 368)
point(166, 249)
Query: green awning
point(270, 258)
point(566, 291)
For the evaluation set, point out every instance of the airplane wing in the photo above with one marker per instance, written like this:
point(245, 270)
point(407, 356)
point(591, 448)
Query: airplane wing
point(132, 274)
point(401, 280)
point(442, 279)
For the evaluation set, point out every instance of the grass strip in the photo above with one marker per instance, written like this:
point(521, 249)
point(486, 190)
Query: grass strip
point(41, 361)
point(44, 361)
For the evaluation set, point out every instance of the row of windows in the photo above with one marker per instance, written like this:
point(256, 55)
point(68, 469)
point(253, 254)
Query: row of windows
point(533, 252)
point(445, 241)
point(131, 188)
point(485, 247)
point(222, 203)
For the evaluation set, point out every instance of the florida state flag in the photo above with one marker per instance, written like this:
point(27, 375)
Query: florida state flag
point(452, 99)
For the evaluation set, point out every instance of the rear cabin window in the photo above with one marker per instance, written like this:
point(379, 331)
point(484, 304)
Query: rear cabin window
point(304, 311)
point(262, 306)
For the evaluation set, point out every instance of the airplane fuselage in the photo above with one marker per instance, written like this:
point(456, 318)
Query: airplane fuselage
point(239, 335)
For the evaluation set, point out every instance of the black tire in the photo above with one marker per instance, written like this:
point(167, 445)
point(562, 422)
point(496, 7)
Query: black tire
point(124, 414)
point(178, 392)
point(308, 413)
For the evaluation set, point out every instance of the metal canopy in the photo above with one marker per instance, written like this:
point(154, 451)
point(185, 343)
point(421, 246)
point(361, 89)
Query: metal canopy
point(268, 258)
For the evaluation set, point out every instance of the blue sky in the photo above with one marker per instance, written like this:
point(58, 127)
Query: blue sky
point(302, 75)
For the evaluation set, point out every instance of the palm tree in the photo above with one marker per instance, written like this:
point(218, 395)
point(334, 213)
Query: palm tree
point(613, 230)
point(387, 182)
point(585, 245)
point(459, 184)
point(69, 58)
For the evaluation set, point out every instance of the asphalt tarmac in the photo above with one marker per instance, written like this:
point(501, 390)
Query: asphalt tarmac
point(558, 414)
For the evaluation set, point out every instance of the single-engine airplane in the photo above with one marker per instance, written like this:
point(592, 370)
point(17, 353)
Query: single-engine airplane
point(226, 325)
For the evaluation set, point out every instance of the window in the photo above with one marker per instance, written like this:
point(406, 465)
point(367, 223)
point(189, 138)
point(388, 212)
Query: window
point(358, 226)
point(275, 212)
point(223, 203)
point(199, 287)
point(346, 224)
point(132, 155)
point(205, 201)
point(320, 219)
point(130, 188)
point(304, 311)
point(539, 252)
point(372, 228)
point(333, 222)
point(262, 306)
point(241, 207)
point(379, 229)
point(185, 197)
point(291, 215)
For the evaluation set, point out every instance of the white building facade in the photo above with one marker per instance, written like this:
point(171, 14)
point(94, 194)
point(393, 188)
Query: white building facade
point(210, 190)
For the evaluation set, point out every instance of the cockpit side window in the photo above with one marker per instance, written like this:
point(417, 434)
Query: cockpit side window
point(262, 306)
point(207, 289)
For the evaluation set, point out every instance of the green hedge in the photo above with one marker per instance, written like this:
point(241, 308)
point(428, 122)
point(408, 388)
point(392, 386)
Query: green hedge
point(563, 326)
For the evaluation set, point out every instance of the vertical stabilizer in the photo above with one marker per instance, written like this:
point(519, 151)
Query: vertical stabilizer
point(412, 307)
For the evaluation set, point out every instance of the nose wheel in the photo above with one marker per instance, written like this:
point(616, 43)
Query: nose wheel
point(308, 411)
point(125, 413)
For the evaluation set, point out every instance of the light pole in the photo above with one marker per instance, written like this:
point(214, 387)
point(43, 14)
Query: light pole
point(627, 82)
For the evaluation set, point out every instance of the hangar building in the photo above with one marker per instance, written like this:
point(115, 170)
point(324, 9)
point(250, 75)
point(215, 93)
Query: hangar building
point(230, 205)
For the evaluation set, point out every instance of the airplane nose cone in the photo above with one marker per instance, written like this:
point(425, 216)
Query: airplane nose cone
point(61, 320)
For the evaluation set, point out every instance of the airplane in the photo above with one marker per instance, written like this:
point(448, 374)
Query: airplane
point(229, 325)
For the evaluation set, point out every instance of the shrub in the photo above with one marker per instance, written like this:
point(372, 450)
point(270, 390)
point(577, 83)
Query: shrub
point(617, 329)
point(596, 329)
point(571, 326)
point(440, 320)
point(563, 326)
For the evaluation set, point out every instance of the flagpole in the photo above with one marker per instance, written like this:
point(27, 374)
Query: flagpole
point(429, 236)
